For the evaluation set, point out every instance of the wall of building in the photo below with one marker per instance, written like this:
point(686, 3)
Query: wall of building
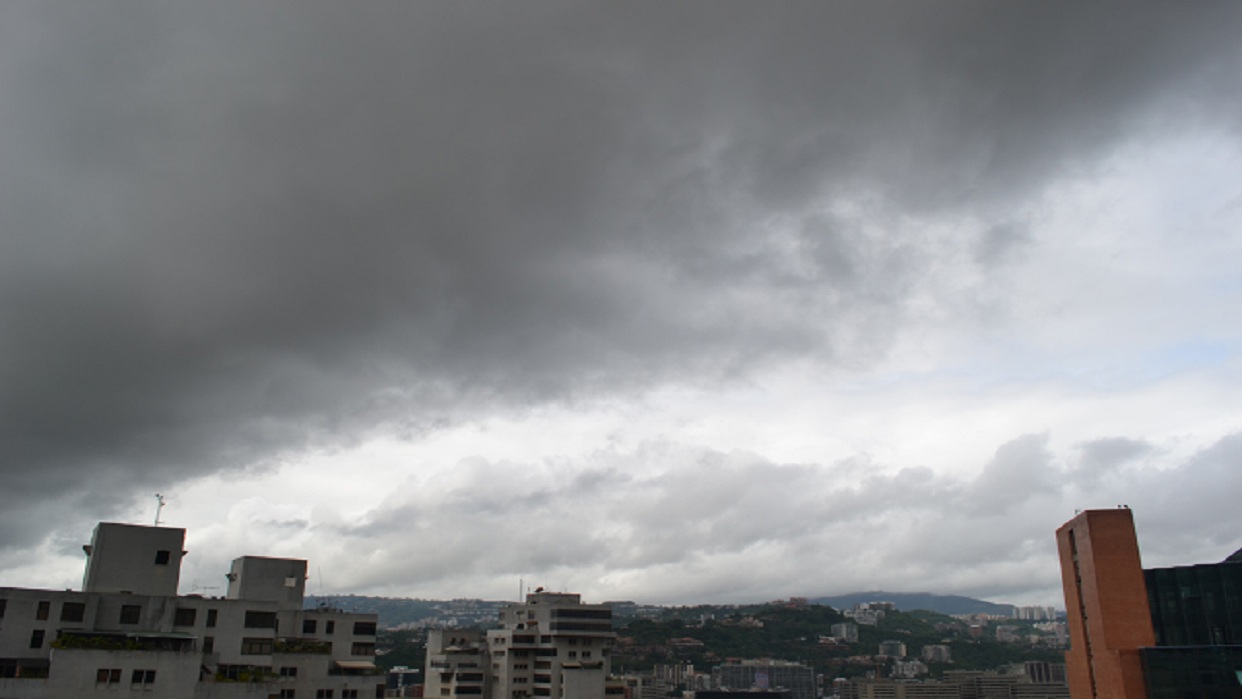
point(1106, 604)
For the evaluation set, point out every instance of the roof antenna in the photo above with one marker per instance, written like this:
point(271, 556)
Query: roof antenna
point(159, 499)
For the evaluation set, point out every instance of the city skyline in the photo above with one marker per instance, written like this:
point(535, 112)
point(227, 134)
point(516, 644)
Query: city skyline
point(697, 303)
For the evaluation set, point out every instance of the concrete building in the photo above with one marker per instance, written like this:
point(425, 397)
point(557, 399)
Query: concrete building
point(128, 629)
point(552, 645)
point(1164, 633)
point(954, 685)
point(457, 663)
point(766, 674)
point(847, 632)
point(893, 649)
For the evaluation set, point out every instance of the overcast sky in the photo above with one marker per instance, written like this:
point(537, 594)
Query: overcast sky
point(677, 303)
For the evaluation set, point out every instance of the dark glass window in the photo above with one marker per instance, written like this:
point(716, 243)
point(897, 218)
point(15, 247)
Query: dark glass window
point(130, 613)
point(162, 557)
point(44, 609)
point(36, 638)
point(256, 646)
point(260, 620)
point(309, 626)
point(73, 611)
point(211, 618)
point(364, 628)
point(185, 616)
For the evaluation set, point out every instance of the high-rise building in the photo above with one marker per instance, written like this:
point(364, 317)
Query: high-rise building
point(552, 645)
point(1171, 633)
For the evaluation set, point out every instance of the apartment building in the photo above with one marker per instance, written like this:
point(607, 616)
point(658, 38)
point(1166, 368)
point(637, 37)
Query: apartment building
point(551, 645)
point(128, 629)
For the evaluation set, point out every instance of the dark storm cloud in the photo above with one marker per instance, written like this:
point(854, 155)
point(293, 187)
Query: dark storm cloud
point(232, 232)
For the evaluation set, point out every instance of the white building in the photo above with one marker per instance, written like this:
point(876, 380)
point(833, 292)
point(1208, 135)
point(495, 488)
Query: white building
point(846, 632)
point(128, 629)
point(552, 645)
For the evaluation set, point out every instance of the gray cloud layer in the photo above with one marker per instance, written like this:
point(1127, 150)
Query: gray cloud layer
point(232, 232)
point(714, 526)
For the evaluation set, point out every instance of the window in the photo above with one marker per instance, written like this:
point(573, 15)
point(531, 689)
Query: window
point(209, 644)
point(288, 671)
point(130, 613)
point(323, 694)
point(36, 638)
point(287, 694)
point(362, 649)
point(349, 694)
point(256, 646)
point(73, 611)
point(573, 653)
point(329, 627)
point(211, 618)
point(309, 625)
point(260, 620)
point(586, 653)
point(44, 609)
point(3, 603)
point(161, 557)
point(107, 675)
point(185, 616)
point(364, 628)
point(143, 677)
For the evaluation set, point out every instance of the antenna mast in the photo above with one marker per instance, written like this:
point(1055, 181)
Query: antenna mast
point(159, 499)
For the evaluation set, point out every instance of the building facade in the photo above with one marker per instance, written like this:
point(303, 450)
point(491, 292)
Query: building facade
point(765, 675)
point(552, 645)
point(1164, 633)
point(129, 629)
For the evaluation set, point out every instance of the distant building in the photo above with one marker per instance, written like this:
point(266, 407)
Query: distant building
point(1035, 613)
point(129, 630)
point(909, 669)
point(937, 654)
point(1008, 634)
point(404, 682)
point(1165, 632)
point(954, 685)
point(766, 674)
point(846, 632)
point(893, 649)
point(748, 694)
point(865, 617)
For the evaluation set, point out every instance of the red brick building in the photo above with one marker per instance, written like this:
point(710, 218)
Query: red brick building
point(1106, 603)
